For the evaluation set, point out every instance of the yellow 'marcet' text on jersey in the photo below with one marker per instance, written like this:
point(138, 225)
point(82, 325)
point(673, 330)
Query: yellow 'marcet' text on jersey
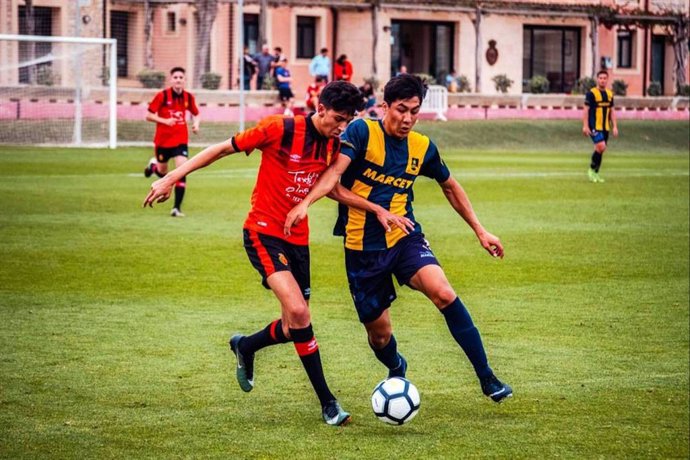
point(383, 170)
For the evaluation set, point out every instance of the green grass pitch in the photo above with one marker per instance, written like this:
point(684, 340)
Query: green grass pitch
point(114, 320)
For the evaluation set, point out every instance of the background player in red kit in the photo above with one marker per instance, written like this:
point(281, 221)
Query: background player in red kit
point(295, 151)
point(168, 110)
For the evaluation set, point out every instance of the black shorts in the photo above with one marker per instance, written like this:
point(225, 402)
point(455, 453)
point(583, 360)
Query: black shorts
point(285, 94)
point(269, 254)
point(370, 273)
point(163, 154)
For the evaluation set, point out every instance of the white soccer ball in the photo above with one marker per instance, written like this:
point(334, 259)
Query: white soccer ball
point(395, 401)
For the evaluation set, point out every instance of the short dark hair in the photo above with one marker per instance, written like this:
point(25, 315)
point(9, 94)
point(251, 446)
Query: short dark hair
point(342, 96)
point(176, 69)
point(404, 86)
point(324, 50)
point(278, 48)
point(602, 71)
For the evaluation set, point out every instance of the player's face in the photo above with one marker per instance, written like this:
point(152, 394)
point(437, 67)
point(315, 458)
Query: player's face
point(602, 80)
point(401, 116)
point(331, 123)
point(177, 80)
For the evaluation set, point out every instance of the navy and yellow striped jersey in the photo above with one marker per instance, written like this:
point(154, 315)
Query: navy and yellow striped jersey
point(383, 170)
point(600, 104)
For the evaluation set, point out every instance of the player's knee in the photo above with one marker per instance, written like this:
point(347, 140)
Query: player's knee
point(601, 148)
point(379, 339)
point(299, 316)
point(444, 297)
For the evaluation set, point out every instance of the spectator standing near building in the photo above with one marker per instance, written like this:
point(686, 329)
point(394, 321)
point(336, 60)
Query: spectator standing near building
point(285, 92)
point(342, 69)
point(313, 93)
point(367, 91)
point(264, 61)
point(320, 65)
point(277, 56)
point(249, 69)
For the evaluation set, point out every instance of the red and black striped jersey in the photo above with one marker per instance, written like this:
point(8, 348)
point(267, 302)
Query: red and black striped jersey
point(294, 155)
point(169, 104)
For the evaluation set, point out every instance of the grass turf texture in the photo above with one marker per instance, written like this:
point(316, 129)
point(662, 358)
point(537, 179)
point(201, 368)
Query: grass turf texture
point(115, 319)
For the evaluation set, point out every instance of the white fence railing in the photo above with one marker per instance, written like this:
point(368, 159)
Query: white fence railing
point(436, 101)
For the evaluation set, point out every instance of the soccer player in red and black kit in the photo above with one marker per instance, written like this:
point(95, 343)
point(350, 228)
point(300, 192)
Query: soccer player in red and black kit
point(295, 151)
point(168, 110)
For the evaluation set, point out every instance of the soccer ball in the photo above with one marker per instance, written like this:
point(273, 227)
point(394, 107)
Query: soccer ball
point(395, 401)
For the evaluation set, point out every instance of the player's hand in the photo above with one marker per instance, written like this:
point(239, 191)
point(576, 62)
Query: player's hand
point(160, 191)
point(615, 131)
point(586, 131)
point(168, 121)
point(387, 218)
point(195, 128)
point(491, 243)
point(294, 217)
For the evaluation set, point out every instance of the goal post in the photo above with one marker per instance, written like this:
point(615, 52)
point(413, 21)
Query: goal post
point(58, 90)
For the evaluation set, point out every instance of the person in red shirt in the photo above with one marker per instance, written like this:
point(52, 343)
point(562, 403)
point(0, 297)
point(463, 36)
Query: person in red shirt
point(342, 69)
point(295, 151)
point(168, 110)
point(313, 92)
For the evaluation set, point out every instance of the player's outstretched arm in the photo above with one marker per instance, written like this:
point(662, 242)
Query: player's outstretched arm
point(161, 189)
point(614, 122)
point(459, 200)
point(384, 216)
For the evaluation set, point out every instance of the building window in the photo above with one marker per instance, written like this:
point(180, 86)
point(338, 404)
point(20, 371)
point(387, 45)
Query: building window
point(554, 53)
point(423, 47)
point(251, 33)
point(625, 49)
point(171, 22)
point(40, 24)
point(119, 29)
point(306, 37)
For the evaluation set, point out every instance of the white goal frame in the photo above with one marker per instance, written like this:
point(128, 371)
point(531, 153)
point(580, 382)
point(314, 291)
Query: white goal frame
point(112, 93)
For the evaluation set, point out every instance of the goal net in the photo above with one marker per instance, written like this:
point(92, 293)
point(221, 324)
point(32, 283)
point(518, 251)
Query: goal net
point(57, 91)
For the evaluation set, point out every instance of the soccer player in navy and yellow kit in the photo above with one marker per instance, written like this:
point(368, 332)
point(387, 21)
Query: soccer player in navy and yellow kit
point(380, 161)
point(598, 118)
point(168, 110)
point(295, 151)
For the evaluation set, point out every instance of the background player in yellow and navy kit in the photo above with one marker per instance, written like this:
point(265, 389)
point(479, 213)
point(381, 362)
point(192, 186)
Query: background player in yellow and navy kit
point(379, 161)
point(294, 152)
point(168, 110)
point(598, 118)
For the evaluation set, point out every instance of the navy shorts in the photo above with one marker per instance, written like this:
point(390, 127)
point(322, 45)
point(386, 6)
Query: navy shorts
point(598, 136)
point(269, 254)
point(163, 154)
point(370, 273)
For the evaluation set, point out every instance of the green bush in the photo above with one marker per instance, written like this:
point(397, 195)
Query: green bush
point(538, 84)
point(684, 90)
point(151, 78)
point(620, 87)
point(654, 89)
point(45, 76)
point(210, 80)
point(428, 79)
point(584, 84)
point(269, 83)
point(464, 84)
point(502, 83)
